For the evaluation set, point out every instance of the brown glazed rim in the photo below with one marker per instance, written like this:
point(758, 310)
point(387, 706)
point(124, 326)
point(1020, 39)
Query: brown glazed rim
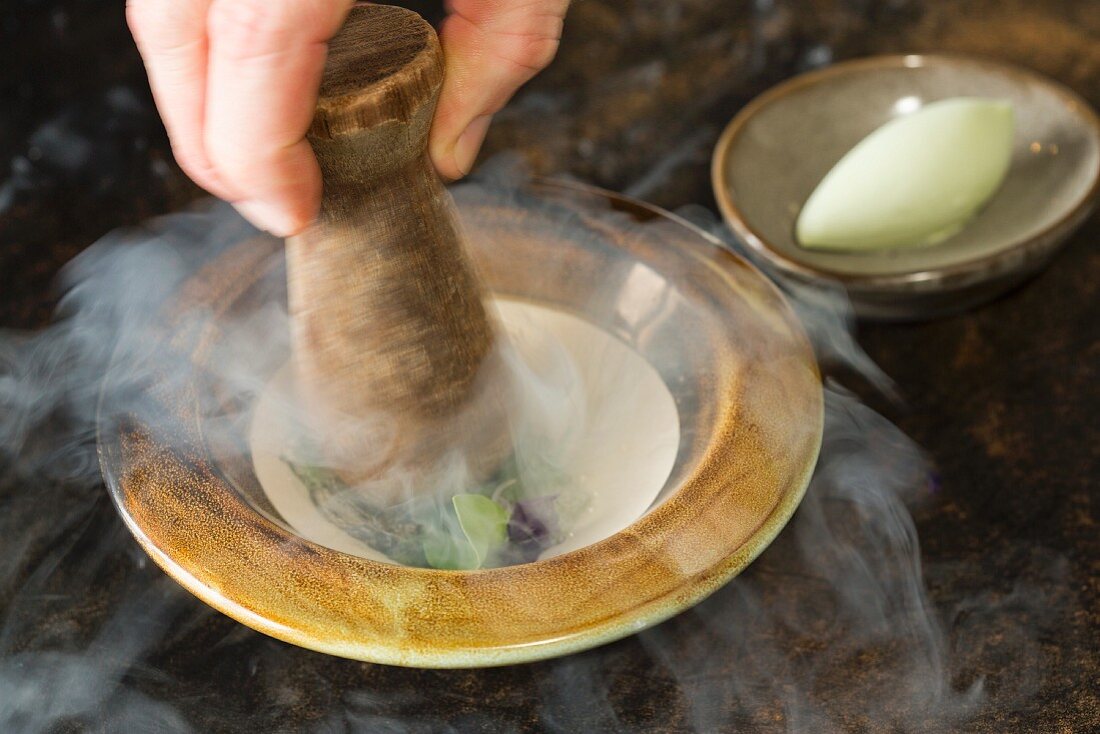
point(960, 274)
point(343, 605)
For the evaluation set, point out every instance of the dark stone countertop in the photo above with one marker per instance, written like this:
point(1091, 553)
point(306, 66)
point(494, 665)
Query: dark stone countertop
point(1004, 399)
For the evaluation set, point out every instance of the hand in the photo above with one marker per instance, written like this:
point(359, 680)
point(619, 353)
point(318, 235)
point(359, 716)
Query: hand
point(236, 82)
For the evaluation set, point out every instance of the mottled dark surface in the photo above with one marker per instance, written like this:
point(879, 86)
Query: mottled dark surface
point(1004, 399)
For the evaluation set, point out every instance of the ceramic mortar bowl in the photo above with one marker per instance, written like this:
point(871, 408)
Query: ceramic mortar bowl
point(735, 359)
point(779, 147)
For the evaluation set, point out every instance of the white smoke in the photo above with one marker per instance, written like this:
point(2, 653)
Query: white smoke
point(832, 628)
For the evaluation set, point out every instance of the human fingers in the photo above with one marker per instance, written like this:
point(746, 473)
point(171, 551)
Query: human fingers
point(171, 36)
point(265, 65)
point(491, 48)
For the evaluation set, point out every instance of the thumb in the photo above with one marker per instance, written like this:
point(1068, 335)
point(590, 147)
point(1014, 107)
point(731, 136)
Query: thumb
point(491, 48)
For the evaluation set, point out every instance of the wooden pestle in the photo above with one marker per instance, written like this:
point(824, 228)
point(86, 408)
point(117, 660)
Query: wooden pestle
point(393, 347)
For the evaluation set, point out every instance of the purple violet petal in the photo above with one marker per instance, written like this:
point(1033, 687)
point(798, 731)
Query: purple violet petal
point(533, 521)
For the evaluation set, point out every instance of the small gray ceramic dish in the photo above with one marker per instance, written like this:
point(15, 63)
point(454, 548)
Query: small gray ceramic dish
point(776, 150)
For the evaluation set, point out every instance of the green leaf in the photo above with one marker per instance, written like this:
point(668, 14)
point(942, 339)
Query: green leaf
point(443, 550)
point(484, 523)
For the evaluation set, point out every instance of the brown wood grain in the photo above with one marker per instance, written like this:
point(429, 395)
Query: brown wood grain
point(391, 338)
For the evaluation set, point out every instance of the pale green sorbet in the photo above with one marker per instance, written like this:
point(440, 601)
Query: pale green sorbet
point(913, 182)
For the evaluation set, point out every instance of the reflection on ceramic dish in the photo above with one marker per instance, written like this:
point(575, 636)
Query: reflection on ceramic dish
point(626, 454)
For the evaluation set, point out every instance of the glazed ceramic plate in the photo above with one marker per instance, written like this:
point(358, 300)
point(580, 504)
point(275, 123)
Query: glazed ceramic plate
point(779, 147)
point(733, 357)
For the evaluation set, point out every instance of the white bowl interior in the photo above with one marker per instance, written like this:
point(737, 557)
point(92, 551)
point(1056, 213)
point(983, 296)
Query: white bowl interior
point(623, 460)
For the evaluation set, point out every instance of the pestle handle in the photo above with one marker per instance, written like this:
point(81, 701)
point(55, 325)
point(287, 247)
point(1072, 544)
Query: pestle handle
point(386, 310)
point(378, 93)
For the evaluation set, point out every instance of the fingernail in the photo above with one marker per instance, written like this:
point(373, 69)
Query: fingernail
point(267, 217)
point(469, 143)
